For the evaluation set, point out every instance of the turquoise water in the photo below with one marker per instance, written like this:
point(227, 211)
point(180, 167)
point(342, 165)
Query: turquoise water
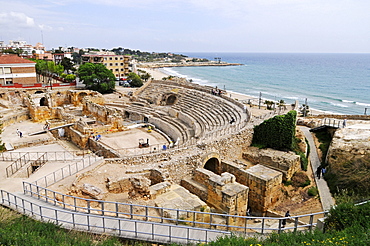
point(338, 83)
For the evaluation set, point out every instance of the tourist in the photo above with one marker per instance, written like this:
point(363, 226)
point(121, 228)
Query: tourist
point(318, 171)
point(249, 211)
point(17, 131)
point(344, 123)
point(287, 214)
point(20, 134)
point(323, 171)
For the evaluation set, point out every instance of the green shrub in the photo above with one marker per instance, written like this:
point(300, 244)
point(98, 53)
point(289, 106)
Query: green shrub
point(325, 139)
point(347, 215)
point(277, 132)
point(304, 161)
point(313, 191)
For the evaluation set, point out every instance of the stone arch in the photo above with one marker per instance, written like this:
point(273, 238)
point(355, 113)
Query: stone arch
point(81, 96)
point(44, 101)
point(212, 163)
point(171, 99)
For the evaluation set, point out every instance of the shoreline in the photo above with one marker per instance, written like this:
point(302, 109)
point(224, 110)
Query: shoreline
point(158, 74)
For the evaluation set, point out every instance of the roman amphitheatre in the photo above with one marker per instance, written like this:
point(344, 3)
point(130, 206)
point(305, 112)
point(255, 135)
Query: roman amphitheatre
point(169, 144)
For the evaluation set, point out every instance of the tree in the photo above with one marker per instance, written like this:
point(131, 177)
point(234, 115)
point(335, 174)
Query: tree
point(269, 104)
point(134, 80)
point(145, 76)
point(97, 77)
point(67, 64)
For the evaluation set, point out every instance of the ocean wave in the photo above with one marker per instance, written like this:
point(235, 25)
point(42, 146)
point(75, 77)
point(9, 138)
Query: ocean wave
point(363, 104)
point(339, 105)
point(348, 101)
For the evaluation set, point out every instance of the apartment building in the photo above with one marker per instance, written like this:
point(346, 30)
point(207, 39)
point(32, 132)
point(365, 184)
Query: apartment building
point(16, 71)
point(118, 64)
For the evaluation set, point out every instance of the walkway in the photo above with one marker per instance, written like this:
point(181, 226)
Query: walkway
point(327, 200)
point(117, 226)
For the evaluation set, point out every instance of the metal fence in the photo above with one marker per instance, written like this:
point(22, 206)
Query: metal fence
point(224, 222)
point(35, 165)
point(50, 156)
point(17, 164)
point(117, 226)
point(67, 171)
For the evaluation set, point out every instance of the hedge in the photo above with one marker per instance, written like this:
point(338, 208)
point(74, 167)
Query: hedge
point(277, 132)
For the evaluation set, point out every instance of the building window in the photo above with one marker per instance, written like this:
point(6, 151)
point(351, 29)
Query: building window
point(7, 70)
point(105, 64)
point(105, 58)
point(110, 58)
point(121, 63)
point(112, 70)
point(8, 81)
point(121, 58)
point(116, 58)
point(116, 64)
point(117, 69)
point(110, 64)
point(121, 69)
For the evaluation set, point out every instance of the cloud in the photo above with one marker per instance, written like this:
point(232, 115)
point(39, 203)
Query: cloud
point(45, 27)
point(16, 20)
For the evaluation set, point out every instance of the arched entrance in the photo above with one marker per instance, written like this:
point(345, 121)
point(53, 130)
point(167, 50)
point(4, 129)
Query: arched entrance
point(212, 165)
point(171, 100)
point(43, 101)
point(81, 96)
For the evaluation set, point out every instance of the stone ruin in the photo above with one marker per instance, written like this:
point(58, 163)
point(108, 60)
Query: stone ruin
point(209, 169)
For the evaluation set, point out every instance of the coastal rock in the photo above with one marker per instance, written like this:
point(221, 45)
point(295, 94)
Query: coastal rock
point(348, 144)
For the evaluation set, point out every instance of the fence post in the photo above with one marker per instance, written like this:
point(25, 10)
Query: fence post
point(311, 221)
point(295, 224)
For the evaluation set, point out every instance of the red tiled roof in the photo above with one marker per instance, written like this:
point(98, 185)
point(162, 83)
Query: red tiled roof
point(11, 59)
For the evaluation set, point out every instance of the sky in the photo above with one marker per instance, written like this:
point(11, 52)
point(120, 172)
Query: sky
point(298, 26)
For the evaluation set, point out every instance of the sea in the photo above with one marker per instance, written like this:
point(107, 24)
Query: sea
point(332, 83)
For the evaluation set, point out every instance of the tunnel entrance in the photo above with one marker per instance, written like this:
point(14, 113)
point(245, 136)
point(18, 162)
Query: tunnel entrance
point(43, 101)
point(171, 100)
point(212, 165)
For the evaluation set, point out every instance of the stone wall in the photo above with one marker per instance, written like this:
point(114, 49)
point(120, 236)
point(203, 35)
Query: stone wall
point(286, 162)
point(104, 114)
point(221, 192)
point(265, 187)
point(18, 116)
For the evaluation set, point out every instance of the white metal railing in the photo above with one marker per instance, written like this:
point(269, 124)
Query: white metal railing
point(50, 156)
point(17, 164)
point(224, 222)
point(67, 171)
point(117, 226)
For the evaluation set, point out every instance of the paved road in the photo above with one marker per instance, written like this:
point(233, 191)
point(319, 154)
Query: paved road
point(327, 200)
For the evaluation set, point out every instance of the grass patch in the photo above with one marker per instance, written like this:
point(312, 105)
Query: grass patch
point(313, 191)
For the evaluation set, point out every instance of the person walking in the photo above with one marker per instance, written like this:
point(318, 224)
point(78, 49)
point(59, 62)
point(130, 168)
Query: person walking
point(323, 171)
point(318, 171)
point(20, 134)
point(287, 214)
point(17, 131)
